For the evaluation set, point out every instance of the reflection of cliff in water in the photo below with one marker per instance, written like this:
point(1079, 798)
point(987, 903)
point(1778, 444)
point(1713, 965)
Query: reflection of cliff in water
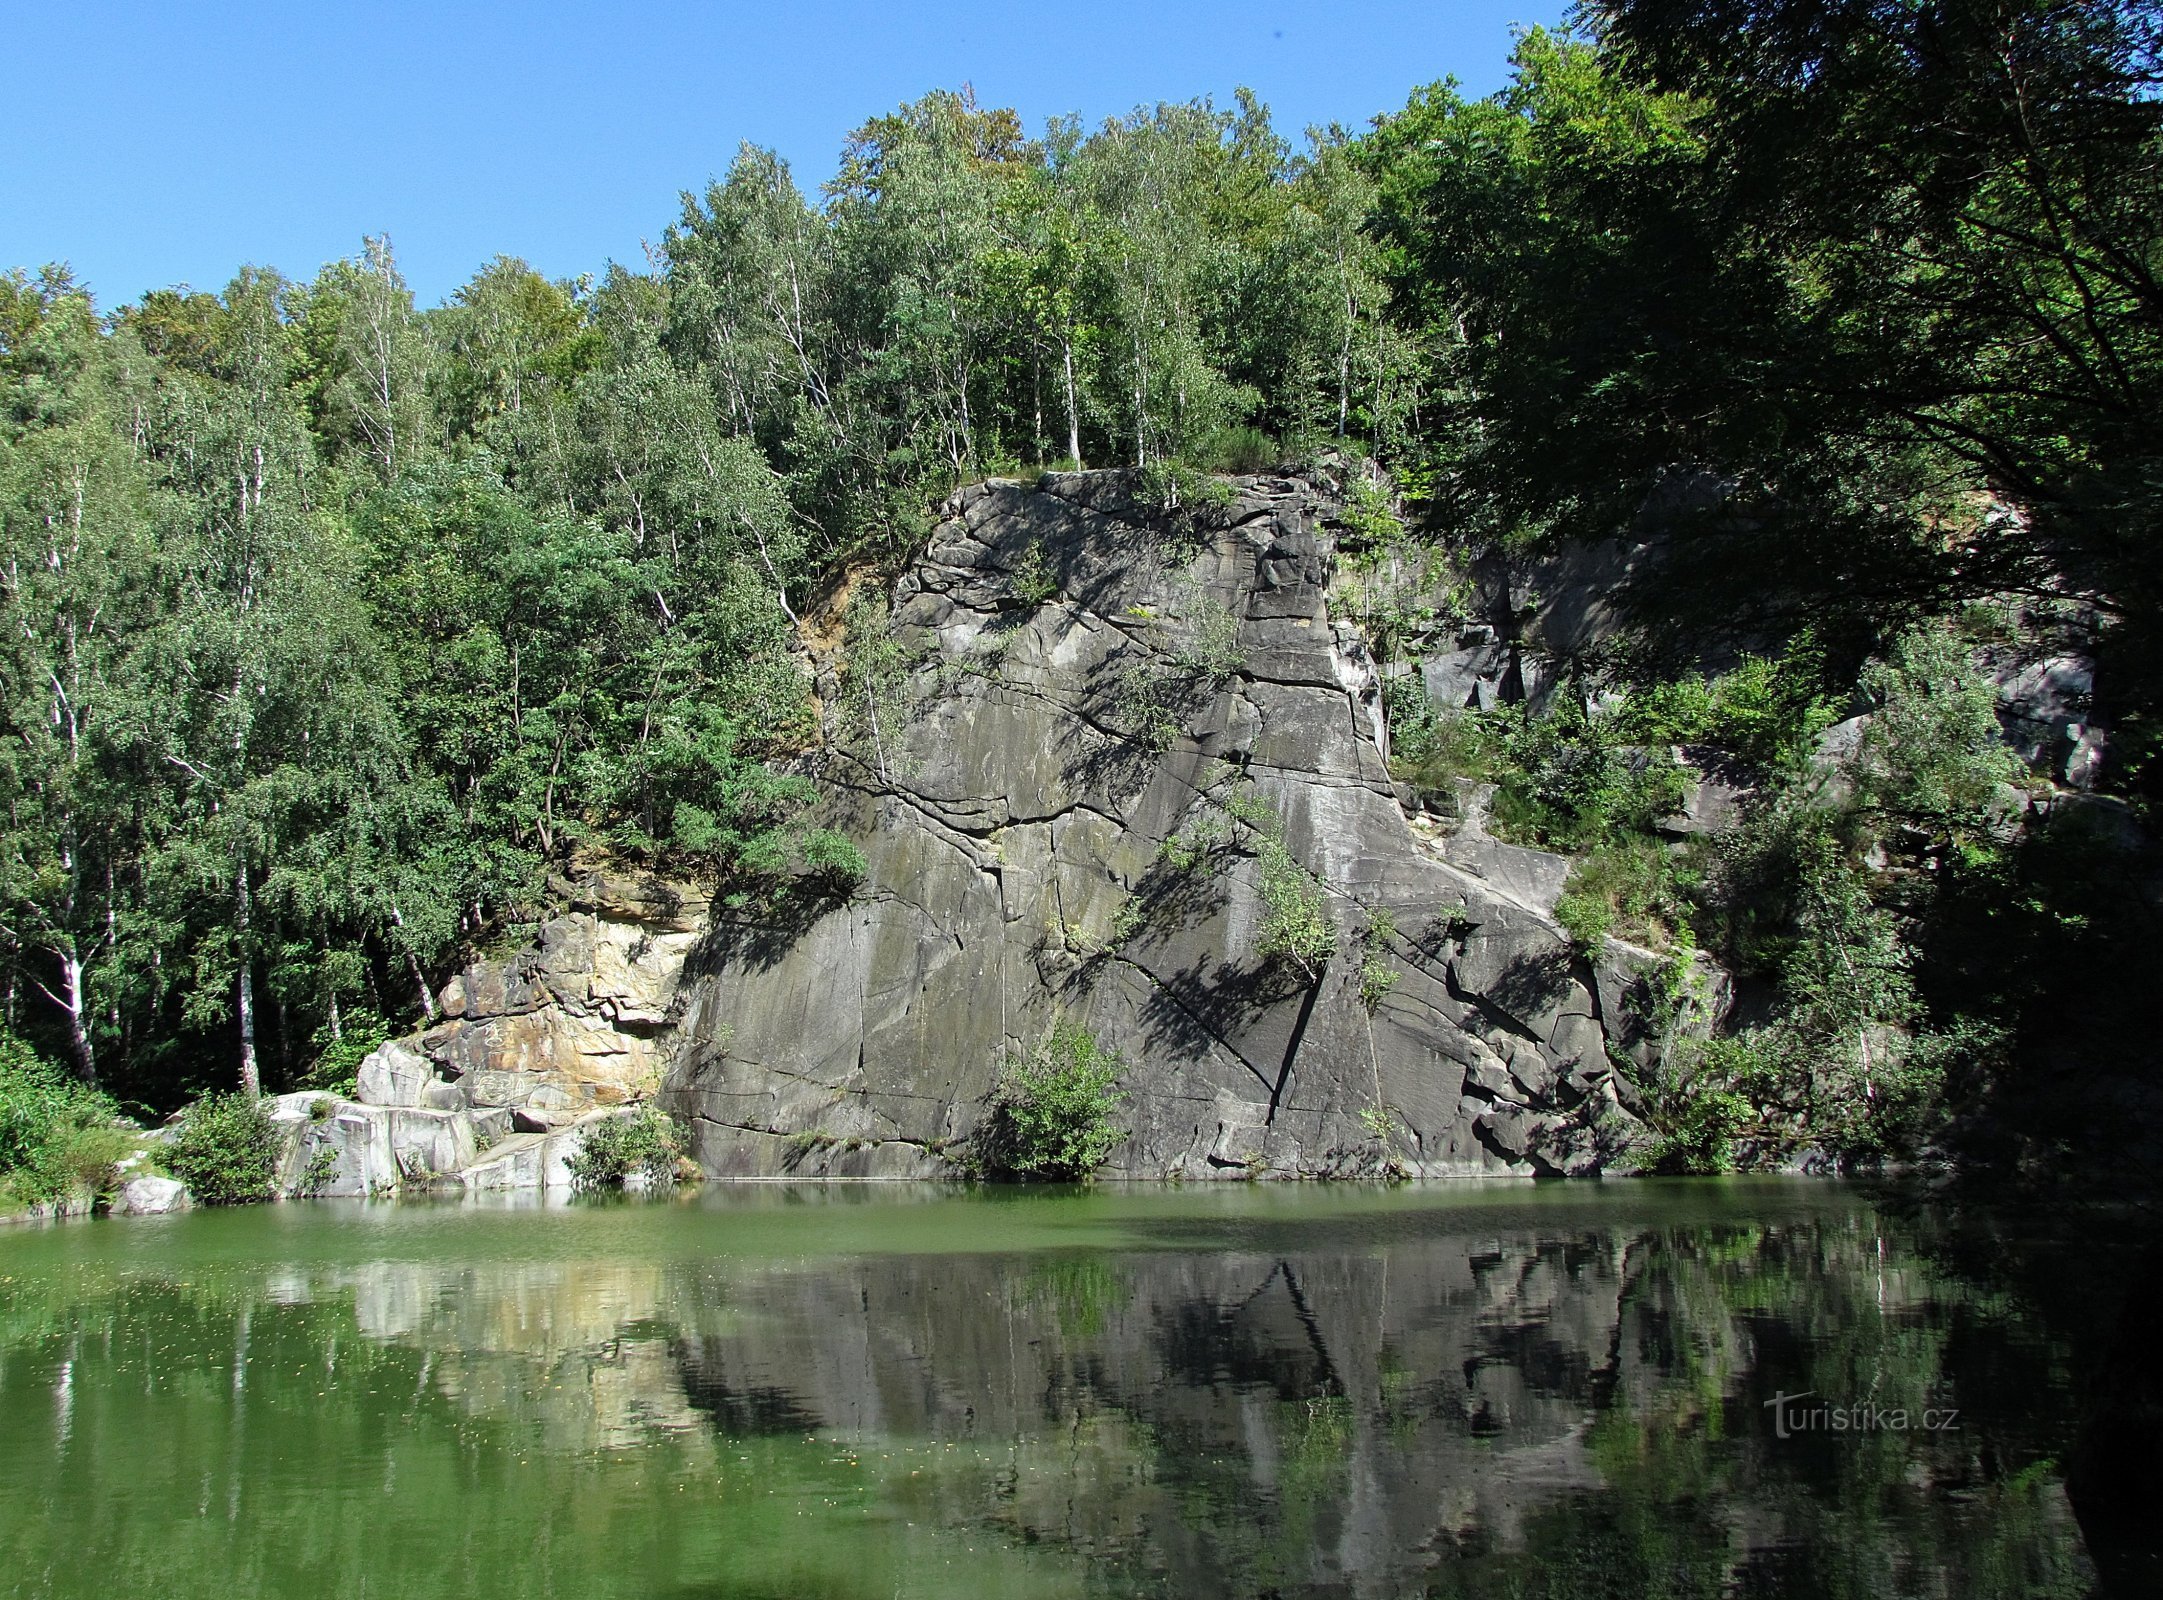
point(1309, 1420)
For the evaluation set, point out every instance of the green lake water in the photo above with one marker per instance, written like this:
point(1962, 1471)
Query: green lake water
point(1460, 1390)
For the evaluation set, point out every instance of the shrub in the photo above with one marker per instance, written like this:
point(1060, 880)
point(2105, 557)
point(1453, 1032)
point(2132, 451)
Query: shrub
point(1194, 847)
point(1053, 1112)
point(1034, 578)
point(1701, 1137)
point(1212, 649)
point(1295, 918)
point(1149, 699)
point(1430, 745)
point(649, 1141)
point(1239, 449)
point(56, 1134)
point(1629, 885)
point(1586, 918)
point(225, 1149)
point(1369, 513)
point(1376, 976)
point(1771, 712)
point(1177, 490)
point(1933, 750)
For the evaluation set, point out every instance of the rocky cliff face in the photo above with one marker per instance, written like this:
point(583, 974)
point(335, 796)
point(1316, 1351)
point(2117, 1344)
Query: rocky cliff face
point(1088, 678)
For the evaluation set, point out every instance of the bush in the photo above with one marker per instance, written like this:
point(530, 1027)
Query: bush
point(1034, 578)
point(1239, 449)
point(1933, 750)
point(1179, 491)
point(1211, 649)
point(1053, 1113)
point(1150, 699)
point(1631, 886)
point(56, 1134)
point(225, 1150)
point(1586, 918)
point(1767, 711)
point(1701, 1137)
point(649, 1141)
point(1295, 917)
point(1376, 976)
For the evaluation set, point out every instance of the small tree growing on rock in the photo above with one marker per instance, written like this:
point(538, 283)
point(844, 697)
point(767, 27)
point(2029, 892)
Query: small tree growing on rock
point(1295, 918)
point(1053, 1114)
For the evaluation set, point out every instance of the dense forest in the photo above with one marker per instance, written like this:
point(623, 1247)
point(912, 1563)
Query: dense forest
point(333, 625)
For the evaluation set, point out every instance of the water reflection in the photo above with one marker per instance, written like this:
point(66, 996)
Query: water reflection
point(1408, 1398)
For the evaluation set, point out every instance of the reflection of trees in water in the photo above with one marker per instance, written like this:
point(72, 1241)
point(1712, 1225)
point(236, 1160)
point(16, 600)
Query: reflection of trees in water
point(1559, 1409)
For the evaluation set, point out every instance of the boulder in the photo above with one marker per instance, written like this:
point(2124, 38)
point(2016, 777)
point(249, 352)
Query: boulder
point(394, 1074)
point(1470, 678)
point(152, 1197)
point(533, 1160)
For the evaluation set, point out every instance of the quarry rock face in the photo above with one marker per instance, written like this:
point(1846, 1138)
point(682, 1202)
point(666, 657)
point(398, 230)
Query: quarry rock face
point(1087, 677)
point(578, 1021)
point(533, 1052)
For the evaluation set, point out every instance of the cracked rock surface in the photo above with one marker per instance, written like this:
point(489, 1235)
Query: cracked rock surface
point(1012, 802)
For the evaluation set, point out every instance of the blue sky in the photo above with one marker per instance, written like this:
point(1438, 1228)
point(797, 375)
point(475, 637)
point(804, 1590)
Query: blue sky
point(149, 145)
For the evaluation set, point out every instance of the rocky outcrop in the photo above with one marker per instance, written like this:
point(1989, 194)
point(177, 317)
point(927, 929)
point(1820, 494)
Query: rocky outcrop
point(1014, 796)
point(580, 1019)
point(334, 1147)
point(533, 1052)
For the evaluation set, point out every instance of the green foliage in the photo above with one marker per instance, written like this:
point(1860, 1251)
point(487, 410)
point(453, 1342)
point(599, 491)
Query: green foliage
point(1177, 490)
point(1767, 711)
point(1586, 918)
point(1369, 515)
point(338, 1059)
point(57, 1136)
point(225, 1149)
point(1571, 779)
point(1700, 1139)
point(321, 1168)
point(338, 624)
point(1380, 1124)
point(1932, 749)
point(1849, 1064)
point(1035, 579)
point(1238, 449)
point(1376, 975)
point(1630, 885)
point(1054, 1112)
point(1771, 711)
point(647, 1141)
point(334, 624)
point(1126, 922)
point(1430, 747)
point(1210, 648)
point(874, 674)
point(1295, 915)
point(1196, 846)
point(833, 859)
point(1151, 699)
